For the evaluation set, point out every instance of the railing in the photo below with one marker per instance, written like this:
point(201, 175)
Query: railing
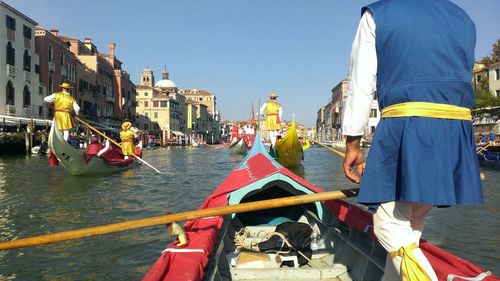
point(11, 70)
point(10, 110)
point(27, 76)
point(52, 66)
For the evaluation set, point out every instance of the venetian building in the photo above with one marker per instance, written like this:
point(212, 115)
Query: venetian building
point(19, 77)
point(211, 131)
point(160, 108)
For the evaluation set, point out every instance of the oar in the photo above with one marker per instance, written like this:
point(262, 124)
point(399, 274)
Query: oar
point(341, 154)
point(483, 148)
point(176, 217)
point(115, 143)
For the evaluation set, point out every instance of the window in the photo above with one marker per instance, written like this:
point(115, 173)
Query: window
point(497, 74)
point(51, 81)
point(26, 97)
point(375, 95)
point(50, 53)
point(40, 91)
point(498, 93)
point(26, 32)
point(10, 23)
point(62, 59)
point(10, 94)
point(373, 113)
point(146, 103)
point(155, 114)
point(146, 114)
point(26, 61)
point(155, 103)
point(145, 94)
point(163, 103)
point(11, 54)
point(37, 68)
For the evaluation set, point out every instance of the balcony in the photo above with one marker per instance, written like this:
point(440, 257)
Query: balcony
point(10, 110)
point(27, 112)
point(110, 98)
point(64, 71)
point(11, 71)
point(27, 76)
point(52, 66)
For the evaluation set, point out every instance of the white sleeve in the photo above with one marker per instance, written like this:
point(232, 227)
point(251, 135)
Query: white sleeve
point(76, 108)
point(263, 109)
point(49, 98)
point(362, 79)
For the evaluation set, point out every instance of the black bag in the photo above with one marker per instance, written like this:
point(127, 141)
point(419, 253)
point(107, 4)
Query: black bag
point(298, 234)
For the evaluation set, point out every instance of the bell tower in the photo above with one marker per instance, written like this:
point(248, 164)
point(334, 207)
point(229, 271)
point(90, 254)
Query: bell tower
point(147, 78)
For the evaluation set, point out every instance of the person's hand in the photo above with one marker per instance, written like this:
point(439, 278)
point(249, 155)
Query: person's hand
point(353, 157)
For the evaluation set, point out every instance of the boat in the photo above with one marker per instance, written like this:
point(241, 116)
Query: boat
point(342, 244)
point(78, 163)
point(288, 150)
point(249, 140)
point(489, 159)
point(238, 146)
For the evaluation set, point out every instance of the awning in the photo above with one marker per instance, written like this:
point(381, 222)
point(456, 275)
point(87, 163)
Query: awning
point(177, 133)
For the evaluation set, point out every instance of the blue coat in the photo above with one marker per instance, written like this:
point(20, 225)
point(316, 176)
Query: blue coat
point(425, 52)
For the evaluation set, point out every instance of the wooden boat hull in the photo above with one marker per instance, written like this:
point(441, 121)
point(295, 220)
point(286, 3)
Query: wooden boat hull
point(490, 160)
point(289, 152)
point(73, 160)
point(238, 147)
point(346, 249)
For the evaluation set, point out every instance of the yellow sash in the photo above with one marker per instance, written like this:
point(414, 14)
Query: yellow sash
point(427, 109)
point(411, 269)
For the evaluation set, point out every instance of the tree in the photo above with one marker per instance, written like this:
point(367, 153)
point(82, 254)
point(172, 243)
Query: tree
point(485, 99)
point(494, 56)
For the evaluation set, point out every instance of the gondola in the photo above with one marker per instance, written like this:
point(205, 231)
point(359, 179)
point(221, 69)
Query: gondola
point(238, 147)
point(489, 159)
point(288, 150)
point(341, 246)
point(78, 163)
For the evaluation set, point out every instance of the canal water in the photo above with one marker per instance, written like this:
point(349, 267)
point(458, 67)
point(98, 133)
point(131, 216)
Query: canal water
point(38, 199)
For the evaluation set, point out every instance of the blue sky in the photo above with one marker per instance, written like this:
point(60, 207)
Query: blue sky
point(239, 50)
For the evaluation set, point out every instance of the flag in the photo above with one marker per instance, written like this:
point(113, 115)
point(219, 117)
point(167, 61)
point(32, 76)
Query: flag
point(252, 114)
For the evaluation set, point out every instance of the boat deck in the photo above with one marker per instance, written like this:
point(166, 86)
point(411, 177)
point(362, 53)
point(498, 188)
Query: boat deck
point(339, 254)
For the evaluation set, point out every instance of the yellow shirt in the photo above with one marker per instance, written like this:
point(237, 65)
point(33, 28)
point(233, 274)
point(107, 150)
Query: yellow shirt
point(272, 115)
point(63, 106)
point(127, 144)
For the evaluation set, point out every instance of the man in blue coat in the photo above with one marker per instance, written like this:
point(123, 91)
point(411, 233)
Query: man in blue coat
point(418, 57)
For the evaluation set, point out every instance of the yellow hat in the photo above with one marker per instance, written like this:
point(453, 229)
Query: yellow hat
point(66, 86)
point(273, 95)
point(126, 125)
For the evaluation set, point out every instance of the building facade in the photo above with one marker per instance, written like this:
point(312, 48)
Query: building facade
point(19, 77)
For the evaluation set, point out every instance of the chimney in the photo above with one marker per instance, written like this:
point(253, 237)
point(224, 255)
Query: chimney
point(111, 47)
point(54, 32)
point(88, 43)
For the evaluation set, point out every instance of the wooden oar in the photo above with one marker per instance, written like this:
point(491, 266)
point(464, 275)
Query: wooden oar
point(341, 154)
point(115, 143)
point(183, 216)
point(483, 148)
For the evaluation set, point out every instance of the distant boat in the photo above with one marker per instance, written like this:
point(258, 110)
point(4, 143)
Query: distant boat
point(288, 149)
point(489, 156)
point(77, 163)
point(238, 147)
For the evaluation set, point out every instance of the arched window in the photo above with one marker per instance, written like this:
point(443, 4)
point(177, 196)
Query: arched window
point(10, 93)
point(11, 54)
point(26, 61)
point(50, 53)
point(26, 97)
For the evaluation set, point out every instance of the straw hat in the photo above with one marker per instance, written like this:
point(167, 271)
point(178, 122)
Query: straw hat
point(273, 95)
point(126, 125)
point(66, 86)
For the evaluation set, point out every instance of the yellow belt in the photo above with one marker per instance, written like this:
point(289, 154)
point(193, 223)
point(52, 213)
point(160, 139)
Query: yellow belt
point(427, 109)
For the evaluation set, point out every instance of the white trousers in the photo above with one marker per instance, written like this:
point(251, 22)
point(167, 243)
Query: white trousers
point(398, 224)
point(273, 135)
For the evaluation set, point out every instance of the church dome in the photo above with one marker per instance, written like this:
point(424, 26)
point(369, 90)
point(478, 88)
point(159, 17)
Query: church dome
point(165, 82)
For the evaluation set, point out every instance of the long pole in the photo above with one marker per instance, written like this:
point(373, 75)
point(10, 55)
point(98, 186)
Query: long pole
point(183, 216)
point(115, 143)
point(341, 154)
